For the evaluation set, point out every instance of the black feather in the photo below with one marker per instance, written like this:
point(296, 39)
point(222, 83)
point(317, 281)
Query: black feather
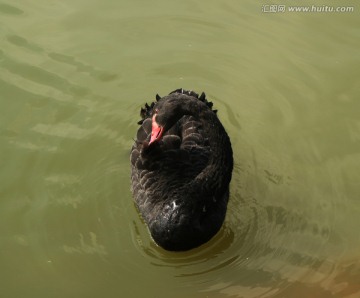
point(180, 182)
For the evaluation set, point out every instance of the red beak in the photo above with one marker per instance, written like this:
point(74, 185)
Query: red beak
point(156, 132)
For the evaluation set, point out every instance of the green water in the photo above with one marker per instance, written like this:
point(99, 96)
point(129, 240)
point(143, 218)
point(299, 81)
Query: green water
point(73, 76)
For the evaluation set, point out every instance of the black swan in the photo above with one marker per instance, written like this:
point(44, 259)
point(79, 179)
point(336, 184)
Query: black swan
point(181, 165)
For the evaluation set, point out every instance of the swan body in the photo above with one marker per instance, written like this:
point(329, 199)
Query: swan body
point(181, 166)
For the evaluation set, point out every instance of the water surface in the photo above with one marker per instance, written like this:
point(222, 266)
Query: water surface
point(73, 76)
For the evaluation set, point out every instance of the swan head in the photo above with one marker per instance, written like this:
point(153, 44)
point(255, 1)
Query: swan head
point(166, 113)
